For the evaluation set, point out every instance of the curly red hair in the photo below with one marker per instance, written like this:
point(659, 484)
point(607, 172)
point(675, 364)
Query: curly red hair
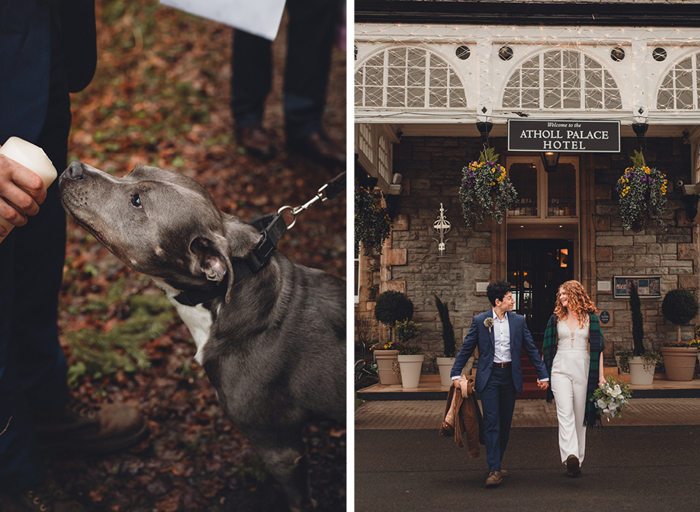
point(578, 302)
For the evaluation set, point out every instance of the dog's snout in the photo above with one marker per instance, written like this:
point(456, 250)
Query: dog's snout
point(75, 171)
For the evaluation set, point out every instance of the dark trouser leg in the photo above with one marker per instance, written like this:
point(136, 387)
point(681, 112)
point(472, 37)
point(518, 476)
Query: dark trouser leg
point(498, 403)
point(507, 405)
point(311, 29)
point(490, 402)
point(20, 464)
point(38, 271)
point(251, 78)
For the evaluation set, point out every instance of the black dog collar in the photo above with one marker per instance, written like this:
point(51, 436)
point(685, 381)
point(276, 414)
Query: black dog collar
point(271, 227)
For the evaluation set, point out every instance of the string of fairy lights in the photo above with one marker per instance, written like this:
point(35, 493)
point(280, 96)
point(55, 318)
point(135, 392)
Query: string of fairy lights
point(632, 74)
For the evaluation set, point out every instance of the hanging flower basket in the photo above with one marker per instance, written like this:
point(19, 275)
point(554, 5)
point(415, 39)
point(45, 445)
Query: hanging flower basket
point(486, 189)
point(372, 222)
point(642, 192)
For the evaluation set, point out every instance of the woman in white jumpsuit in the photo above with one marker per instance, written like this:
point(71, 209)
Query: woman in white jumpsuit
point(573, 353)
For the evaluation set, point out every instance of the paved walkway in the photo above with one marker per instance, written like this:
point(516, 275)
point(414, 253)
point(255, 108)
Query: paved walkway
point(427, 414)
point(640, 469)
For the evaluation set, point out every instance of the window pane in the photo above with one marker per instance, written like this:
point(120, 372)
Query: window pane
point(438, 77)
point(397, 76)
point(524, 179)
point(458, 98)
point(511, 98)
point(613, 100)
point(531, 98)
point(552, 98)
point(572, 98)
point(395, 97)
point(438, 97)
point(415, 97)
point(594, 98)
point(562, 191)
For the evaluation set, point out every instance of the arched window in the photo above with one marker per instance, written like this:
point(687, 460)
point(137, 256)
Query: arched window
point(679, 88)
point(562, 79)
point(408, 77)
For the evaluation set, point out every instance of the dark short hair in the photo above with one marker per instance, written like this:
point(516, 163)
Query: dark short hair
point(497, 290)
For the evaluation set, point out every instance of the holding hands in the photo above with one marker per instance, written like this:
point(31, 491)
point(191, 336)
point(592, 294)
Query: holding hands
point(542, 384)
point(21, 193)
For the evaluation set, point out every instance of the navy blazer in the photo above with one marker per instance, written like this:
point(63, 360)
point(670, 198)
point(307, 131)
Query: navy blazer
point(520, 339)
point(42, 42)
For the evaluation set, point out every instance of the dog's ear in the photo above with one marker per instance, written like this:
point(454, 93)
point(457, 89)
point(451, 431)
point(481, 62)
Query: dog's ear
point(211, 259)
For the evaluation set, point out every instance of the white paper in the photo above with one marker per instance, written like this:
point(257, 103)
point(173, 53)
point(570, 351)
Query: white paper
point(259, 17)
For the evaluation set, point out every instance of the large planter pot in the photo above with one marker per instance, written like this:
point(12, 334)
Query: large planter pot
point(386, 360)
point(679, 362)
point(445, 365)
point(640, 376)
point(410, 370)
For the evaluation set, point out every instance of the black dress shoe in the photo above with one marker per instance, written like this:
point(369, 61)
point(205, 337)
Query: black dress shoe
point(318, 148)
point(255, 141)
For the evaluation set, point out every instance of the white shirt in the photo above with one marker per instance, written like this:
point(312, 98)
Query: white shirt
point(501, 336)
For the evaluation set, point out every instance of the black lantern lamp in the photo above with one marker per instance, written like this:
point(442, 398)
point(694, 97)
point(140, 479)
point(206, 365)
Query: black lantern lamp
point(484, 129)
point(550, 160)
point(640, 129)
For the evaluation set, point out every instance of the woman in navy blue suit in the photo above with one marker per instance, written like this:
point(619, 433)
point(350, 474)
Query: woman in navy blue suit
point(501, 335)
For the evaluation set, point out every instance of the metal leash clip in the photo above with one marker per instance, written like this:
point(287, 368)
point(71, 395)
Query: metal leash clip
point(331, 189)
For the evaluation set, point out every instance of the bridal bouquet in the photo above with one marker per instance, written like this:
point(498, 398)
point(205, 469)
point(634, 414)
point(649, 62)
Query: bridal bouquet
point(611, 398)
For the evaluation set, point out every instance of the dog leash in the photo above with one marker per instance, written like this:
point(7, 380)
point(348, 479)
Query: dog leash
point(271, 228)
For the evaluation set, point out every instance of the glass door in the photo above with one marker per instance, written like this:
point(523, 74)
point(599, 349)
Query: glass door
point(536, 268)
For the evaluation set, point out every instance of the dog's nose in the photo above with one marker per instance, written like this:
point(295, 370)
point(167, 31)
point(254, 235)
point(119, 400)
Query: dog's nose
point(75, 171)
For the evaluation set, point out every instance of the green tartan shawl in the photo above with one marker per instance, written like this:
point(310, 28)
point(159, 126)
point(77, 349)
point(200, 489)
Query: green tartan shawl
point(595, 339)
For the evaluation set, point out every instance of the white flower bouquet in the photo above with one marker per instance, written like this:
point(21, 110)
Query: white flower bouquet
point(611, 398)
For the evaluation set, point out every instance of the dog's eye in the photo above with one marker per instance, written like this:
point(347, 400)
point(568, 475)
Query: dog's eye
point(136, 201)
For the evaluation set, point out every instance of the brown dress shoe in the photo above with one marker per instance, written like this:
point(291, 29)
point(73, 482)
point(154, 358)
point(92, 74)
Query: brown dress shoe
point(87, 429)
point(504, 472)
point(47, 497)
point(494, 479)
point(572, 466)
point(318, 148)
point(256, 141)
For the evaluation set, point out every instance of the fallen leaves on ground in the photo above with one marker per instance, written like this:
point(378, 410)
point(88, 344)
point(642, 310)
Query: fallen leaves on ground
point(161, 97)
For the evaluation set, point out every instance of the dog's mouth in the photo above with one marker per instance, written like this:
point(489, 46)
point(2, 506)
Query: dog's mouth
point(94, 232)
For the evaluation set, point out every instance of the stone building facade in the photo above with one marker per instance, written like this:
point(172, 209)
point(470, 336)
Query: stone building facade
point(431, 169)
point(421, 86)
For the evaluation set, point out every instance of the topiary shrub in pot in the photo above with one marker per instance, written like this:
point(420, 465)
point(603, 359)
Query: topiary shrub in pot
point(392, 307)
point(679, 307)
point(640, 363)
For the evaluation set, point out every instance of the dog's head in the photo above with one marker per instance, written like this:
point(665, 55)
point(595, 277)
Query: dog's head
point(158, 222)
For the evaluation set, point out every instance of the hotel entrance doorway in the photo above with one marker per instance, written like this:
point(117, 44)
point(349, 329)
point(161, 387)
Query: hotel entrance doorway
point(536, 268)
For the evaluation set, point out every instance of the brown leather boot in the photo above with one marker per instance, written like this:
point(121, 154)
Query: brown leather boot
point(494, 479)
point(47, 497)
point(256, 141)
point(88, 429)
point(317, 147)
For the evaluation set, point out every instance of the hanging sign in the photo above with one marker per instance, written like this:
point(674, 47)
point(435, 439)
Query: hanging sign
point(564, 136)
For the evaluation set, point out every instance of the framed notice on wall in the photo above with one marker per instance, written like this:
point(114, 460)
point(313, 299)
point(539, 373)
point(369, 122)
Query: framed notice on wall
point(649, 287)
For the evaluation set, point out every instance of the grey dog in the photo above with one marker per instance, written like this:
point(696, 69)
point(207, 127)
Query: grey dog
point(272, 345)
